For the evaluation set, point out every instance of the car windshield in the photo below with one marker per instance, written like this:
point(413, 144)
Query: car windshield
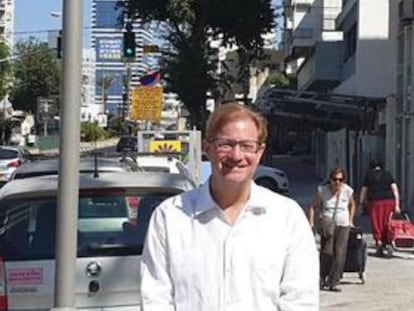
point(108, 225)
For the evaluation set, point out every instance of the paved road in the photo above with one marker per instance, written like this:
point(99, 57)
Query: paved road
point(389, 282)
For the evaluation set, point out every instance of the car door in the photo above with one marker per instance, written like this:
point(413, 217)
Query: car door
point(111, 231)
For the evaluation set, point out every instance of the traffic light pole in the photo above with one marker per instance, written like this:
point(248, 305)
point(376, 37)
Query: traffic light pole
point(125, 99)
point(68, 184)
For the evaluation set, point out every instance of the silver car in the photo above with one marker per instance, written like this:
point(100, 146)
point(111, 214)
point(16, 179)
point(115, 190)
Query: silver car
point(11, 157)
point(114, 211)
point(86, 165)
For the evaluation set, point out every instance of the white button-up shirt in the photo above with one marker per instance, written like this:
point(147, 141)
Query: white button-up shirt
point(194, 260)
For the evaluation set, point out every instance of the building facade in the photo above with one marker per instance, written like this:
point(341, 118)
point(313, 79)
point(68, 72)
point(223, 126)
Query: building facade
point(7, 21)
point(89, 109)
point(112, 74)
point(312, 43)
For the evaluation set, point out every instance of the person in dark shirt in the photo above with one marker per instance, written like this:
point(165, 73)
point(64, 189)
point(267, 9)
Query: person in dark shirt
point(380, 194)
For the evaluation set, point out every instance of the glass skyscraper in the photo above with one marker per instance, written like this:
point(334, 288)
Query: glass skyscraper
point(107, 41)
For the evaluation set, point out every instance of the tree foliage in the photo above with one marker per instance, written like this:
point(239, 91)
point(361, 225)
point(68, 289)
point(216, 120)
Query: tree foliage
point(37, 74)
point(189, 66)
point(5, 69)
point(278, 80)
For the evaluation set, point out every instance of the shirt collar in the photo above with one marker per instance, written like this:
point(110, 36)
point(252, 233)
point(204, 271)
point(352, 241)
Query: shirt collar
point(204, 202)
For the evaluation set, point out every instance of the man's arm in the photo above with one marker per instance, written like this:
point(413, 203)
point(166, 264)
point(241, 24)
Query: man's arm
point(299, 286)
point(156, 285)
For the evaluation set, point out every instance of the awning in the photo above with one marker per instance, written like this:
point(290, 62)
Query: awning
point(320, 110)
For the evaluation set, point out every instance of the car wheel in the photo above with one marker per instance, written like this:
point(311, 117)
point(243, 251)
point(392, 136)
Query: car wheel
point(268, 183)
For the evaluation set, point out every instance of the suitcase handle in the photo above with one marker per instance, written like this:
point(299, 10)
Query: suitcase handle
point(402, 213)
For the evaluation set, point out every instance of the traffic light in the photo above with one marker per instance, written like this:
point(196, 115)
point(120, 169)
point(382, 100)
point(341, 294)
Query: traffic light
point(59, 45)
point(129, 44)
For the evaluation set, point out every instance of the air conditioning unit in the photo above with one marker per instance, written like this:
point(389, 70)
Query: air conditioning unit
point(406, 10)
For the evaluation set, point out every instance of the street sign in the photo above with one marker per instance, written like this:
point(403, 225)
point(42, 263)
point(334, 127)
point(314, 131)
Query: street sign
point(165, 146)
point(151, 49)
point(102, 120)
point(147, 103)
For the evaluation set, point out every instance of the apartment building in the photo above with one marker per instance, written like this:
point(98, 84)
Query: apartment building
point(89, 108)
point(399, 114)
point(311, 42)
point(7, 21)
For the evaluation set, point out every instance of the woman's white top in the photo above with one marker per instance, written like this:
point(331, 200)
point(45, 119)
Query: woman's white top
point(329, 204)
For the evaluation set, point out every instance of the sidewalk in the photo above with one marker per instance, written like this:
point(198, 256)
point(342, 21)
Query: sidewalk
point(389, 283)
point(389, 286)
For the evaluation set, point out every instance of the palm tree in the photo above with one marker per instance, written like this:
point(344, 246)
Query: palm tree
point(106, 82)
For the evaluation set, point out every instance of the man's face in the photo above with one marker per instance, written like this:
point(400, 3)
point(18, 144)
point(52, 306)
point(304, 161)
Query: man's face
point(234, 152)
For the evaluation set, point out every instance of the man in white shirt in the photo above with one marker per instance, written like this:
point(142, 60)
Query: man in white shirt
point(230, 244)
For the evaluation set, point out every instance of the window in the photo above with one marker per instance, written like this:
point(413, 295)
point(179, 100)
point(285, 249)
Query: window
point(6, 154)
point(350, 40)
point(107, 15)
point(108, 225)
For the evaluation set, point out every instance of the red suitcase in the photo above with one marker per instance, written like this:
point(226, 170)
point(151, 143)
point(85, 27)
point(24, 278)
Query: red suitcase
point(401, 232)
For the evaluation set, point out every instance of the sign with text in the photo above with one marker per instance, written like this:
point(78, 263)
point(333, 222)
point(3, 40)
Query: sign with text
point(147, 103)
point(108, 49)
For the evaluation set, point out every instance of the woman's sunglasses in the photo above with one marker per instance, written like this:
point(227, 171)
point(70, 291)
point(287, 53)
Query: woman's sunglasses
point(337, 179)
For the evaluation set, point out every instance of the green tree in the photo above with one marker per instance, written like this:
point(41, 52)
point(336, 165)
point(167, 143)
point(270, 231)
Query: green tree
point(37, 74)
point(278, 80)
point(189, 67)
point(5, 70)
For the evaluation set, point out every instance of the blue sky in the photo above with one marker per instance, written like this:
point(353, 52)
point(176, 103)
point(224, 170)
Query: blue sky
point(32, 18)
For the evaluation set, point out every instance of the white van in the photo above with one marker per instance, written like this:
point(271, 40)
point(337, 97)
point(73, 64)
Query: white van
point(114, 210)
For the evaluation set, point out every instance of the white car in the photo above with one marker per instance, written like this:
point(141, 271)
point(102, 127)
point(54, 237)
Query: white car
point(114, 211)
point(163, 163)
point(11, 157)
point(266, 176)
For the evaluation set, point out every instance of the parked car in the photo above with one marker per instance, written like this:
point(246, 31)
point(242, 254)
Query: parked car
point(11, 157)
point(110, 238)
point(266, 176)
point(86, 165)
point(127, 143)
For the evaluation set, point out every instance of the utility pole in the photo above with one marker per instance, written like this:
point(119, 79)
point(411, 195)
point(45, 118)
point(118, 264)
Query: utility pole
point(67, 212)
point(125, 95)
point(129, 52)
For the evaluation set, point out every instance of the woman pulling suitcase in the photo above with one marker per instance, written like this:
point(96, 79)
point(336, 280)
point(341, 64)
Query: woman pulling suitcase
point(337, 214)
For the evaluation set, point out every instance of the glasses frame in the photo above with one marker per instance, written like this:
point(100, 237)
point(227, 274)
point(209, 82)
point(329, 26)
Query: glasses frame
point(232, 143)
point(337, 179)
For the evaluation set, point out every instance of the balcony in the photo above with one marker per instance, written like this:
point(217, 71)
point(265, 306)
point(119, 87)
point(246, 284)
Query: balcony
point(322, 70)
point(348, 7)
point(299, 41)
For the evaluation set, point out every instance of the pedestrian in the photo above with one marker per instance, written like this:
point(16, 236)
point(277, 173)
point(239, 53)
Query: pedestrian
point(230, 244)
point(380, 195)
point(336, 200)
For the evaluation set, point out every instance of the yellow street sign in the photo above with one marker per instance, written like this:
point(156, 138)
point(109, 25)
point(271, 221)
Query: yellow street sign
point(166, 146)
point(151, 48)
point(147, 103)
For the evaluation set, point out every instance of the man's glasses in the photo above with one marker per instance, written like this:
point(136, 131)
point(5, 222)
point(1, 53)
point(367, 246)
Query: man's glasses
point(337, 179)
point(227, 145)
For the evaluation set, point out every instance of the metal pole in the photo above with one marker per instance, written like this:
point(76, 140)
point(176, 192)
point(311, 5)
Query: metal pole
point(67, 213)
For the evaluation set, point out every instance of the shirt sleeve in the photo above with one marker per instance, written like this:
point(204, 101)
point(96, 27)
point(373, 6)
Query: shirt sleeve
point(156, 285)
point(299, 288)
